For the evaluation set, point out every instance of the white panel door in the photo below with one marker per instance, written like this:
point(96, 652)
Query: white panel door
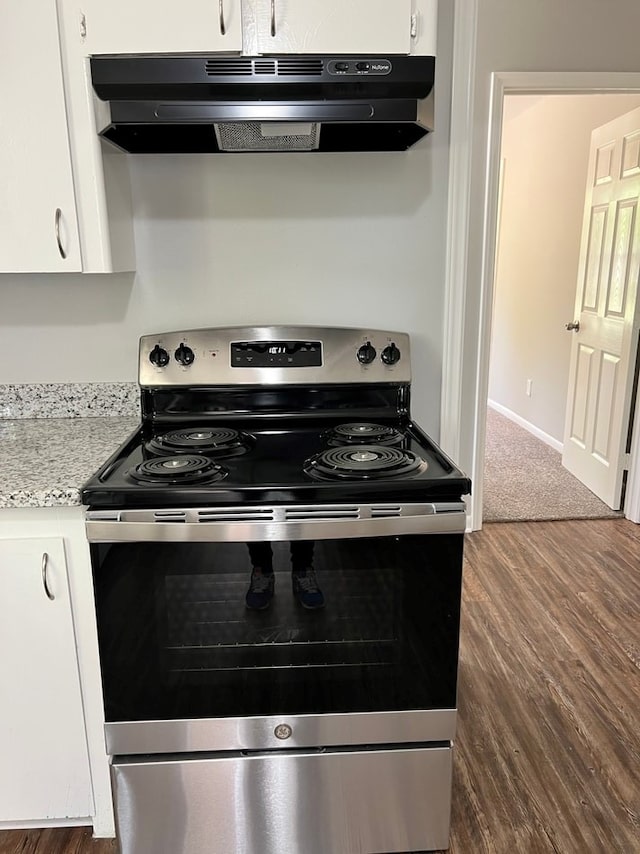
point(149, 26)
point(38, 225)
point(44, 766)
point(604, 347)
point(334, 26)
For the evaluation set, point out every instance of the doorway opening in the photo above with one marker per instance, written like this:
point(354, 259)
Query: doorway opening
point(544, 161)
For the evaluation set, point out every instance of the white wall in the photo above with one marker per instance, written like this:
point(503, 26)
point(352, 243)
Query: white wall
point(545, 152)
point(574, 35)
point(337, 239)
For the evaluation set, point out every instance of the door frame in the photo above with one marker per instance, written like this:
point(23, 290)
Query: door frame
point(470, 370)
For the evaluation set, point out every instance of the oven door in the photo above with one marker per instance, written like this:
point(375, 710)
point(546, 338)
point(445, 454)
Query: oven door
point(186, 666)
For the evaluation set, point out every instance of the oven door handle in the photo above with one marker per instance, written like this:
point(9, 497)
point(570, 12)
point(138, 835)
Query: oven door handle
point(274, 524)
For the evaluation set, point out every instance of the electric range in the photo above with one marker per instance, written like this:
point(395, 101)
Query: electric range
point(306, 723)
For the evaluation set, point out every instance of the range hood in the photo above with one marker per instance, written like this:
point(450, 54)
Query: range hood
point(210, 104)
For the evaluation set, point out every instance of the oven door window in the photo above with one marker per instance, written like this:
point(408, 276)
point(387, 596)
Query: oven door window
point(177, 640)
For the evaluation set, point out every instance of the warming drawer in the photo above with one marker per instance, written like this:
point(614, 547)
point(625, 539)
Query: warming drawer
point(286, 802)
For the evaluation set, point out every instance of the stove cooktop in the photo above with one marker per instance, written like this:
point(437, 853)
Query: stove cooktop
point(195, 464)
point(282, 414)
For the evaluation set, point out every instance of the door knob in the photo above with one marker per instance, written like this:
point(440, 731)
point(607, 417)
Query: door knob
point(574, 326)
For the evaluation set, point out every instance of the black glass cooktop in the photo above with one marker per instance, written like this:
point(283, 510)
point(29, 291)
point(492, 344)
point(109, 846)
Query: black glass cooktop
point(256, 461)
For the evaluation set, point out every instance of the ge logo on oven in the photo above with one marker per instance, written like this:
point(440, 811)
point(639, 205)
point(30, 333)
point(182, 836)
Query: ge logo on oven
point(283, 731)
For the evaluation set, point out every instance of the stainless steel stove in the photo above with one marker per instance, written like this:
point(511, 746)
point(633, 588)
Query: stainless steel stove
point(283, 727)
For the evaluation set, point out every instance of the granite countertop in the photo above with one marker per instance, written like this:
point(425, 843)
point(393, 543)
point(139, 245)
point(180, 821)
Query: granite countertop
point(45, 461)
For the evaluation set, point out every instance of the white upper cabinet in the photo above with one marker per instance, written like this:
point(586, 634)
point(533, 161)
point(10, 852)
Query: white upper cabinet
point(65, 207)
point(38, 224)
point(149, 26)
point(253, 26)
point(340, 26)
point(334, 26)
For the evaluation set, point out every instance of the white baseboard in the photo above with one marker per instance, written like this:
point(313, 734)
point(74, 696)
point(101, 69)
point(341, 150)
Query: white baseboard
point(531, 428)
point(45, 822)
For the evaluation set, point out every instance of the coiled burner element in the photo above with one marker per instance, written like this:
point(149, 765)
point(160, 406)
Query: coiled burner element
point(178, 470)
point(220, 441)
point(364, 462)
point(362, 432)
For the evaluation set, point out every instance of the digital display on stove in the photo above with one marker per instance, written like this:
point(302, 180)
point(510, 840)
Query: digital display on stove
point(276, 354)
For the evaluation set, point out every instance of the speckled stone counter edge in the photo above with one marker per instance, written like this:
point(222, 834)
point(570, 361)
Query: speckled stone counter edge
point(69, 400)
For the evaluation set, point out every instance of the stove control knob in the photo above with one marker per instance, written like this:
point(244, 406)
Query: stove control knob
point(367, 353)
point(184, 355)
point(390, 354)
point(159, 356)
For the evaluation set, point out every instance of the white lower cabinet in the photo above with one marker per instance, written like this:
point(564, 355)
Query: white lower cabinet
point(44, 766)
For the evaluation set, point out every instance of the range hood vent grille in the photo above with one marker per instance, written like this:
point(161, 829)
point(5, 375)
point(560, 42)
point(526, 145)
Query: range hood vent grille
point(264, 66)
point(234, 67)
point(300, 67)
point(226, 67)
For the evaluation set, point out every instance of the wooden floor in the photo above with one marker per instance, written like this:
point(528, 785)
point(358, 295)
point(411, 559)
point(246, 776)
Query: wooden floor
point(548, 756)
point(548, 749)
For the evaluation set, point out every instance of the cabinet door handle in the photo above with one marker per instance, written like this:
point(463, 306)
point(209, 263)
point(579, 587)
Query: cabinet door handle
point(273, 18)
point(61, 249)
point(45, 583)
point(223, 29)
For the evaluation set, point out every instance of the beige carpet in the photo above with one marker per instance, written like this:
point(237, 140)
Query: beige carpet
point(524, 479)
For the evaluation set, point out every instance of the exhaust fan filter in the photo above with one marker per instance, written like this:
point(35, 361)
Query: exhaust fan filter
point(268, 136)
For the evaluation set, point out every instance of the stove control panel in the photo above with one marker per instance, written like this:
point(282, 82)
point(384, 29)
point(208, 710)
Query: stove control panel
point(273, 355)
point(276, 354)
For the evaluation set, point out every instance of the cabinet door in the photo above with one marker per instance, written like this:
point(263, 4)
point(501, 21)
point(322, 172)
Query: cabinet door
point(146, 26)
point(38, 225)
point(44, 772)
point(334, 26)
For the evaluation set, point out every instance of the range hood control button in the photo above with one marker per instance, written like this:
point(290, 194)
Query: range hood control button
point(363, 66)
point(341, 66)
point(184, 355)
point(367, 353)
point(390, 354)
point(159, 356)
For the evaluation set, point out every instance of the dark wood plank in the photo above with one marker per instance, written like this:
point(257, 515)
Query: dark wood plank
point(548, 750)
point(548, 755)
point(63, 840)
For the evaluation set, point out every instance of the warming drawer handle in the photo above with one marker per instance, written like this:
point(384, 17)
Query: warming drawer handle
point(45, 582)
point(223, 29)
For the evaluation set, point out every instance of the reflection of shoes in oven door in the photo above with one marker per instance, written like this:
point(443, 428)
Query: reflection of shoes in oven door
point(306, 590)
point(260, 592)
